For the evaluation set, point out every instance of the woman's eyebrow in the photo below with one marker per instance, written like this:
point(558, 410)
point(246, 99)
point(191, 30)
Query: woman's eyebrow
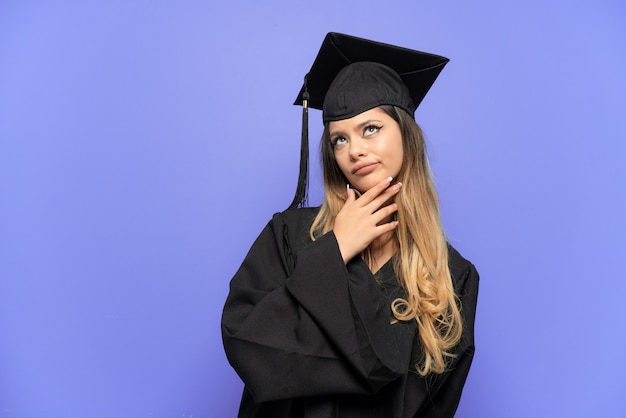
point(366, 123)
point(336, 133)
point(358, 127)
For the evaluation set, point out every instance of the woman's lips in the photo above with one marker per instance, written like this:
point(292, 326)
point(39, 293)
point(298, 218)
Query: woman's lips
point(363, 169)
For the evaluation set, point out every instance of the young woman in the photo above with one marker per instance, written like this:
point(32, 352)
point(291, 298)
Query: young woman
point(358, 308)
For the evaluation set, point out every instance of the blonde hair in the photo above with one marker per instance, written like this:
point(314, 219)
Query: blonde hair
point(421, 263)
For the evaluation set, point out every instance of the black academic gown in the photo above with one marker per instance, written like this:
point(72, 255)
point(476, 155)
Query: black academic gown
point(312, 337)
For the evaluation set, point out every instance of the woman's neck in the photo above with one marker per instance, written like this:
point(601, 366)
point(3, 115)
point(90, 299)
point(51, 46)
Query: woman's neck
point(382, 249)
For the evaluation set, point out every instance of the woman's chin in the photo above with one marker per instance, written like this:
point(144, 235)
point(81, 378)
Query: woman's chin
point(366, 184)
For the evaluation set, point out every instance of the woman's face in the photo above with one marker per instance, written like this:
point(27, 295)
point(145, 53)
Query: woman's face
point(367, 148)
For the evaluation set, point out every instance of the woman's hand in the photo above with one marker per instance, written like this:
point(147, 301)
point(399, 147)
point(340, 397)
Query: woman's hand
point(358, 223)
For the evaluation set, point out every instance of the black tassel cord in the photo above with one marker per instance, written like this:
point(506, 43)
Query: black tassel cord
point(300, 199)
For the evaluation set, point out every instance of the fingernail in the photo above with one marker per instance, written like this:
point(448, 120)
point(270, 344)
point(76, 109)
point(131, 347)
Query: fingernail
point(396, 187)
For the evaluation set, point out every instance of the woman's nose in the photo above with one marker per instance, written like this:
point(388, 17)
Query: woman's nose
point(357, 148)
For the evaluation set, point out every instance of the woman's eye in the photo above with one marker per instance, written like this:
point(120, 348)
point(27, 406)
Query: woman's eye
point(339, 141)
point(371, 129)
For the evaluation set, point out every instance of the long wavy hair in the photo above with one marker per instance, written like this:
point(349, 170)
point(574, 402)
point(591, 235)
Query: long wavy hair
point(421, 262)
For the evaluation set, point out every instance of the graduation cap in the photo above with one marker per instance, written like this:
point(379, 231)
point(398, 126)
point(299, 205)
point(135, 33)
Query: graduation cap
point(351, 75)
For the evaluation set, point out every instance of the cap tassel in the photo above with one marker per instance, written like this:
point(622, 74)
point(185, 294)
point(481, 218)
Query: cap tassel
point(300, 199)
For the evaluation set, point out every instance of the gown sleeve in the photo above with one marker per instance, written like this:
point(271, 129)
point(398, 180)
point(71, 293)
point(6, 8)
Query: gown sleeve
point(298, 322)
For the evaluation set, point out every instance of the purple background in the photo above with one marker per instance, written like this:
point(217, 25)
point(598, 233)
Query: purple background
point(144, 145)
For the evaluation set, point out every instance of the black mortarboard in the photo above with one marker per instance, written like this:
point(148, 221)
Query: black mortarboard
point(351, 75)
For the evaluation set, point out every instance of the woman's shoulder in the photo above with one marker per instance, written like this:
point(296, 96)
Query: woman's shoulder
point(296, 218)
point(461, 269)
point(293, 225)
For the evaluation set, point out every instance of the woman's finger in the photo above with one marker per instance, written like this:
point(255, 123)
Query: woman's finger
point(375, 191)
point(384, 197)
point(385, 212)
point(350, 195)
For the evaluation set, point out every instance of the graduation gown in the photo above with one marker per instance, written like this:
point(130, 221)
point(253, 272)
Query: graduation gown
point(312, 337)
